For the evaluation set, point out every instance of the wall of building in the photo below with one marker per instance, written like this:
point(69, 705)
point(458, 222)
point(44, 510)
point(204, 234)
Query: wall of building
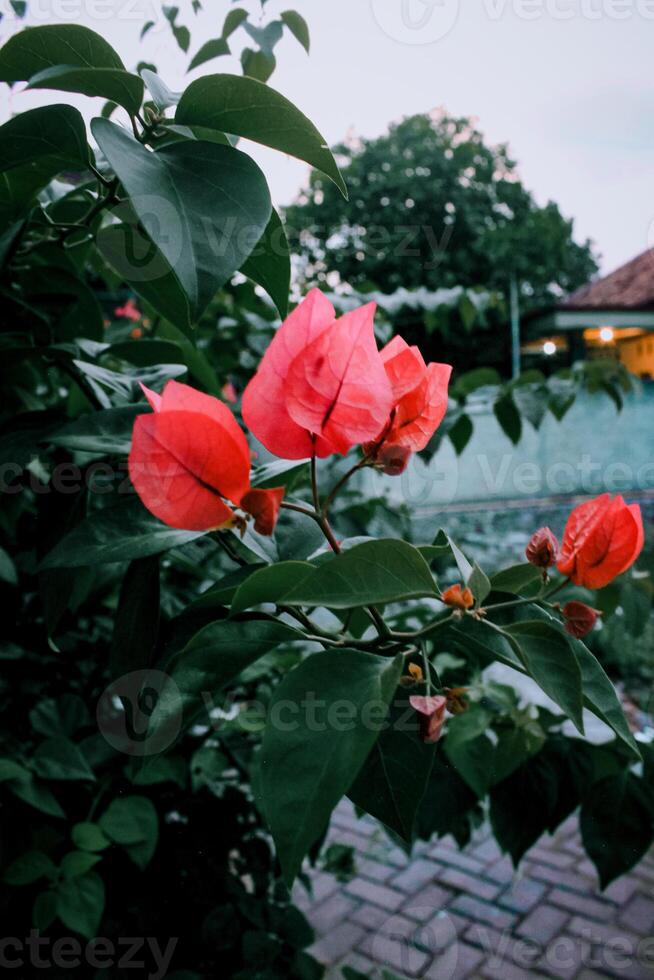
point(637, 354)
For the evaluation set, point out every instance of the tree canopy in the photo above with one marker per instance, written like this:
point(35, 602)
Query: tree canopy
point(433, 204)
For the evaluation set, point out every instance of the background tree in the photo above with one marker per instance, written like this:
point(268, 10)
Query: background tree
point(434, 205)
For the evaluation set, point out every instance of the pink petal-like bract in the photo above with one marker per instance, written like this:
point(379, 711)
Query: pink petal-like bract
point(264, 403)
point(337, 387)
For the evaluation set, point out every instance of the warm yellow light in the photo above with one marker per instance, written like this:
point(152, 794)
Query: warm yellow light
point(606, 335)
point(549, 348)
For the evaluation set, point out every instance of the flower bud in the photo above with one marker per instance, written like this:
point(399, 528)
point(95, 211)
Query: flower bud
point(543, 548)
point(456, 700)
point(393, 460)
point(579, 618)
point(431, 716)
point(458, 597)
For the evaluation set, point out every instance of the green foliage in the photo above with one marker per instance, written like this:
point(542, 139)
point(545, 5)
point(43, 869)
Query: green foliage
point(158, 724)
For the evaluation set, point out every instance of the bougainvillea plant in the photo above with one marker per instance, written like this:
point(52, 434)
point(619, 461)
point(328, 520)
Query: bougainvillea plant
point(215, 630)
point(323, 387)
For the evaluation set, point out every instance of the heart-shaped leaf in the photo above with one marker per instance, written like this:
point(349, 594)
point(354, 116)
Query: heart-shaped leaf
point(204, 206)
point(248, 108)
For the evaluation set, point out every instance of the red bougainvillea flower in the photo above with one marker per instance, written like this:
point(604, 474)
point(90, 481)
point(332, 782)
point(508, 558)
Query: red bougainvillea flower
point(229, 393)
point(189, 456)
point(431, 715)
point(602, 539)
point(321, 384)
point(543, 548)
point(129, 311)
point(458, 597)
point(579, 618)
point(419, 404)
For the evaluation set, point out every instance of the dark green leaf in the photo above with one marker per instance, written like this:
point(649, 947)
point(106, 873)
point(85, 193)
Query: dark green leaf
point(105, 432)
point(509, 418)
point(119, 533)
point(461, 433)
point(80, 904)
point(246, 107)
point(37, 48)
point(616, 825)
point(550, 660)
point(270, 583)
point(298, 27)
point(311, 754)
point(59, 758)
point(394, 777)
point(89, 837)
point(269, 264)
point(213, 205)
point(56, 133)
point(521, 806)
point(129, 820)
point(61, 716)
point(376, 571)
point(479, 584)
point(215, 656)
point(600, 696)
point(77, 863)
point(215, 48)
point(28, 868)
point(139, 262)
point(233, 20)
point(515, 579)
point(136, 624)
point(104, 83)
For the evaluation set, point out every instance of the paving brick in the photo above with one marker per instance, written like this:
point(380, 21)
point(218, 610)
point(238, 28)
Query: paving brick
point(467, 960)
point(375, 870)
point(503, 946)
point(549, 854)
point(588, 906)
point(501, 871)
point(488, 850)
point(335, 944)
point(414, 877)
point(427, 902)
point(397, 952)
point(457, 859)
point(460, 881)
point(639, 915)
point(611, 949)
point(560, 876)
point(623, 889)
point(337, 908)
point(354, 960)
point(522, 895)
point(370, 891)
point(543, 924)
point(563, 957)
point(369, 916)
point(475, 909)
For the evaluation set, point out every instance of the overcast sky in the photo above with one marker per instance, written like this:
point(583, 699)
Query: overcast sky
point(567, 83)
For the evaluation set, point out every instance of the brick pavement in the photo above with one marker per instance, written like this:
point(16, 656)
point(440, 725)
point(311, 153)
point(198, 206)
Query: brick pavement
point(450, 915)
